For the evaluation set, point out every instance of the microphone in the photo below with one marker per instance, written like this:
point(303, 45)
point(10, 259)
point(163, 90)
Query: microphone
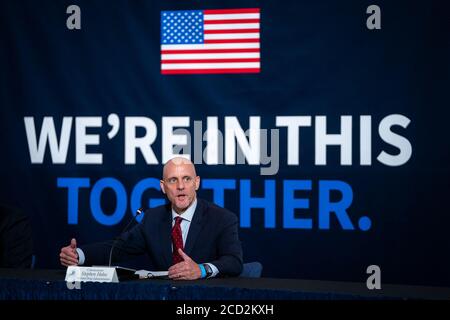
point(138, 212)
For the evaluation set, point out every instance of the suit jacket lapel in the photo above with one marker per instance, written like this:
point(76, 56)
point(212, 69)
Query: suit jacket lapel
point(165, 237)
point(195, 227)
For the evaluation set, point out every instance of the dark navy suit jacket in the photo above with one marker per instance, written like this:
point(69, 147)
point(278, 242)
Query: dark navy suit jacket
point(213, 237)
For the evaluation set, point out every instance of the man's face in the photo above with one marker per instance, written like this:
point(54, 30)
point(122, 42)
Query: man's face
point(180, 184)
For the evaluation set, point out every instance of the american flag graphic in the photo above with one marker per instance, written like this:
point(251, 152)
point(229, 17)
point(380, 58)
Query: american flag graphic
point(210, 41)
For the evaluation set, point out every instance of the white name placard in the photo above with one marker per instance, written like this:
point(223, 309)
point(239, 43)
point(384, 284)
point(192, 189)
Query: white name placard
point(91, 274)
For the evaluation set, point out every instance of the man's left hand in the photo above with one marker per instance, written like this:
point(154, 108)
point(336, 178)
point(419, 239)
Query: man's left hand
point(187, 269)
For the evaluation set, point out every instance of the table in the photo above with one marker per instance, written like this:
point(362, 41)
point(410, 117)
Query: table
point(50, 285)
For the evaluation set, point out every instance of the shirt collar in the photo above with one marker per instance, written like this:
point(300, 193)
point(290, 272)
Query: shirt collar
point(188, 214)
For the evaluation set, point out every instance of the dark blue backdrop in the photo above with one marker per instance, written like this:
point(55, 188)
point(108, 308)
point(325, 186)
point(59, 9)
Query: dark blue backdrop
point(317, 58)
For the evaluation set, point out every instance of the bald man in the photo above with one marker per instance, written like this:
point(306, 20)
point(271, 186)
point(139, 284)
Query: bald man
point(190, 237)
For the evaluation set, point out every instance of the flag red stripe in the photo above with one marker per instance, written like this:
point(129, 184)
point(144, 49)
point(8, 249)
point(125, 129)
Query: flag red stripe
point(230, 40)
point(208, 51)
point(225, 11)
point(231, 31)
point(231, 21)
point(211, 60)
point(210, 71)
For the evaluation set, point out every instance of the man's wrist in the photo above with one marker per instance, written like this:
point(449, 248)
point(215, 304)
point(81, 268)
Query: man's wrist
point(81, 257)
point(209, 271)
point(202, 270)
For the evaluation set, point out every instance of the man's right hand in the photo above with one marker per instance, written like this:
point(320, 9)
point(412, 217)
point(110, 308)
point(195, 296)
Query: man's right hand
point(69, 254)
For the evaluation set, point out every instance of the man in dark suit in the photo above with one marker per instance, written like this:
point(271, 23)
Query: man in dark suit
point(190, 237)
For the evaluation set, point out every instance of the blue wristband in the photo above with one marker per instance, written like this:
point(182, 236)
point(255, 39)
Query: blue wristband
point(202, 270)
